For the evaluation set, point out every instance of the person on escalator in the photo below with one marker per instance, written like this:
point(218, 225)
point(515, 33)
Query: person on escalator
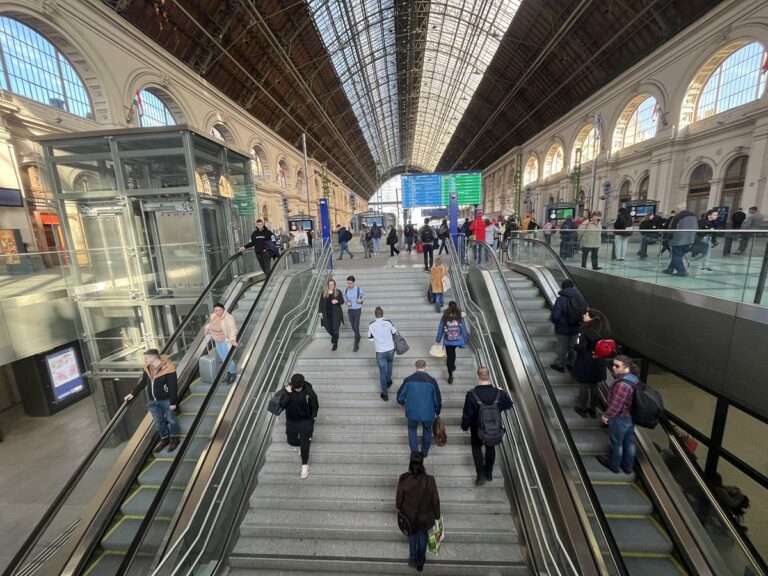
point(618, 417)
point(301, 406)
point(264, 244)
point(587, 370)
point(223, 331)
point(567, 312)
point(159, 378)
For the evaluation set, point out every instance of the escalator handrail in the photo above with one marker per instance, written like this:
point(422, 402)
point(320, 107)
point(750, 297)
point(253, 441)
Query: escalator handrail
point(77, 475)
point(149, 515)
point(289, 317)
point(597, 509)
point(736, 532)
point(471, 308)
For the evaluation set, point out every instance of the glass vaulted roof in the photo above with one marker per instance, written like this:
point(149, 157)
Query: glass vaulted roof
point(445, 48)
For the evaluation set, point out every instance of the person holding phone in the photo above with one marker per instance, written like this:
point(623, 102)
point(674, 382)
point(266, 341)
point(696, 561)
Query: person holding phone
point(353, 300)
point(331, 311)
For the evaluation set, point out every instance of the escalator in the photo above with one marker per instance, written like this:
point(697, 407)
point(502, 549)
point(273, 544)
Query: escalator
point(113, 513)
point(656, 528)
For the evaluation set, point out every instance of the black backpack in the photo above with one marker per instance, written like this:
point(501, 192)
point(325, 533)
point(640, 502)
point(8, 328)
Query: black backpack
point(490, 429)
point(347, 235)
point(574, 311)
point(647, 405)
point(427, 235)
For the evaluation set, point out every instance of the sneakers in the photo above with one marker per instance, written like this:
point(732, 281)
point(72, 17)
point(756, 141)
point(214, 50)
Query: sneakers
point(162, 444)
point(384, 397)
point(489, 476)
point(304, 471)
point(173, 444)
point(583, 412)
point(229, 379)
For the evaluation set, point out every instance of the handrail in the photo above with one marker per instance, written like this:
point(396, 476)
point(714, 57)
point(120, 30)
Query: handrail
point(149, 516)
point(580, 469)
point(75, 478)
point(482, 348)
point(744, 543)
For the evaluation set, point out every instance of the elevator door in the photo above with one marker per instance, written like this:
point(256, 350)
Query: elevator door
point(215, 232)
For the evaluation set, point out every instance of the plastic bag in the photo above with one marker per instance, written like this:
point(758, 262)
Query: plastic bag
point(437, 350)
point(435, 537)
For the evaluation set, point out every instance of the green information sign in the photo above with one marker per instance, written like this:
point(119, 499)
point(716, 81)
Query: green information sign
point(245, 200)
point(421, 190)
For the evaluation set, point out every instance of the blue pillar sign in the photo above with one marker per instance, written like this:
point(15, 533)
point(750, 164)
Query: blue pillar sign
point(453, 214)
point(325, 224)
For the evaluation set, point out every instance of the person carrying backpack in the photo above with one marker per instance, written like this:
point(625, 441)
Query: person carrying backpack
point(567, 312)
point(482, 418)
point(376, 237)
point(618, 417)
point(427, 235)
point(452, 332)
point(344, 237)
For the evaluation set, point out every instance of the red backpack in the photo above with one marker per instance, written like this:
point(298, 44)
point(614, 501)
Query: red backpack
point(604, 348)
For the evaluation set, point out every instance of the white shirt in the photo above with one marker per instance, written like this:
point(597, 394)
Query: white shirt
point(380, 331)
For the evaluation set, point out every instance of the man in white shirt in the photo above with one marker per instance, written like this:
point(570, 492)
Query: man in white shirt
point(381, 331)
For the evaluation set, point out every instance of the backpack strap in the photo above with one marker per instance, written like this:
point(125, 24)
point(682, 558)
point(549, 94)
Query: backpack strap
point(477, 399)
point(498, 396)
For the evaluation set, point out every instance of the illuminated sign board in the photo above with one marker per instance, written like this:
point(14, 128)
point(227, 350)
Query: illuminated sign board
point(421, 190)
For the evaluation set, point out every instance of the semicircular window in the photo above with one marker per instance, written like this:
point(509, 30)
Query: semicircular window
point(32, 67)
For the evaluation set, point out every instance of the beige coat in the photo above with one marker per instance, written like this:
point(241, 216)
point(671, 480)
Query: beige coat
point(590, 234)
point(436, 278)
point(224, 329)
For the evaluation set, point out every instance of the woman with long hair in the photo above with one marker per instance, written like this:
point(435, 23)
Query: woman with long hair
point(452, 332)
point(589, 371)
point(436, 281)
point(331, 311)
point(392, 241)
point(419, 502)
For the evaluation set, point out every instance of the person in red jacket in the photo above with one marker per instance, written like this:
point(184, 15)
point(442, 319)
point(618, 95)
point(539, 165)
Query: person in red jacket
point(477, 228)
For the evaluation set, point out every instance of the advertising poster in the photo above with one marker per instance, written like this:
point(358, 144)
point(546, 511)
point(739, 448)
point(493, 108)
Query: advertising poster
point(10, 240)
point(65, 373)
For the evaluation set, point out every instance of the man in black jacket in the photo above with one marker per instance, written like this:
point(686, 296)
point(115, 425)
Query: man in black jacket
point(301, 405)
point(264, 244)
point(487, 395)
point(159, 378)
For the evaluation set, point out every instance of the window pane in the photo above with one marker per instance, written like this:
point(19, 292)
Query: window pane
point(642, 123)
point(40, 72)
point(155, 113)
point(741, 429)
point(690, 403)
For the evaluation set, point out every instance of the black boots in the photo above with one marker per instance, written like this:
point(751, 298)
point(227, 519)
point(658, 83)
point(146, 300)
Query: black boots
point(162, 444)
point(173, 444)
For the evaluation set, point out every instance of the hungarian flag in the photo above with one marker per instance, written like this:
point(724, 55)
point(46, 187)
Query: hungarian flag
point(764, 67)
point(655, 109)
point(137, 103)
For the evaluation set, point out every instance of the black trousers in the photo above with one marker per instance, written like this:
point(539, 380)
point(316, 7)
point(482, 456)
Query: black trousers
point(299, 433)
point(450, 359)
point(332, 330)
point(393, 249)
point(585, 252)
point(428, 248)
point(483, 465)
point(265, 261)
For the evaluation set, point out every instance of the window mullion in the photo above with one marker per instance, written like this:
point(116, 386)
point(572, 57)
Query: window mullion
point(5, 68)
point(61, 81)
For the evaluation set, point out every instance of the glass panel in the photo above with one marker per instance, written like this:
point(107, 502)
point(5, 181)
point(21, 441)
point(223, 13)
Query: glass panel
point(741, 429)
point(688, 402)
point(153, 112)
point(154, 171)
point(755, 518)
point(86, 176)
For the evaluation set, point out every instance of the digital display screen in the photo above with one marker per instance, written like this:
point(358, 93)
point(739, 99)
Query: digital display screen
point(369, 220)
point(306, 224)
point(10, 197)
point(423, 190)
point(722, 216)
point(643, 210)
point(64, 370)
point(561, 213)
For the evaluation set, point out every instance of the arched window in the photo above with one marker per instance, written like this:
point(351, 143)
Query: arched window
point(265, 212)
point(259, 165)
point(153, 111)
point(216, 133)
point(625, 194)
point(282, 174)
point(300, 181)
point(225, 187)
point(531, 172)
point(554, 160)
point(732, 77)
point(588, 141)
point(32, 67)
point(733, 183)
point(636, 123)
point(698, 189)
point(642, 189)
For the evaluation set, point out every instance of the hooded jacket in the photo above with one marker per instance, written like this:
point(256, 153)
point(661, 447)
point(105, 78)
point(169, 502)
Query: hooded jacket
point(559, 311)
point(300, 404)
point(160, 383)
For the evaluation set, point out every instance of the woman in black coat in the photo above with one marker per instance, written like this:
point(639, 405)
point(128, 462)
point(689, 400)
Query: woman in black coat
point(418, 500)
point(331, 311)
point(392, 241)
point(589, 371)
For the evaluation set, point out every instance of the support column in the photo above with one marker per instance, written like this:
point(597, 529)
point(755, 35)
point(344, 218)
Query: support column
point(757, 169)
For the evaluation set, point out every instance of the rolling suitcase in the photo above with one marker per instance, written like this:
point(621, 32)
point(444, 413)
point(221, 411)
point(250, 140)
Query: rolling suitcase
point(209, 365)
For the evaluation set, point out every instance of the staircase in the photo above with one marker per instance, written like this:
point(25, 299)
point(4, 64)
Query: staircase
point(645, 546)
point(342, 520)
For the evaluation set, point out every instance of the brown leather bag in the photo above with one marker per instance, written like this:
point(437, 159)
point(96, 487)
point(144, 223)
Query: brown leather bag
point(439, 433)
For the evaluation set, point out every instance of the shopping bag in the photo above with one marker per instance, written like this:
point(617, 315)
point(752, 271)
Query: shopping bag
point(435, 537)
point(439, 433)
point(437, 350)
point(446, 284)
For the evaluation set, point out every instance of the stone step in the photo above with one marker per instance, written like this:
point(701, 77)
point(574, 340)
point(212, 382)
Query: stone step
point(363, 454)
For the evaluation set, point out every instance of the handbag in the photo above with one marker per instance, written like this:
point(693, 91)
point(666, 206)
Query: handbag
point(430, 295)
point(437, 350)
point(439, 433)
point(401, 346)
point(274, 403)
point(446, 283)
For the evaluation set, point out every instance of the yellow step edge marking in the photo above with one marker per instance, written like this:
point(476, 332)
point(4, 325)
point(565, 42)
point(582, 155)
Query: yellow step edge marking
point(660, 528)
point(613, 483)
point(132, 494)
point(114, 527)
point(629, 516)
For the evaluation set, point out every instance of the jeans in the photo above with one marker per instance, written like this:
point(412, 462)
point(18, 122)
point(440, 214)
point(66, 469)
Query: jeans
point(409, 244)
point(621, 243)
point(438, 301)
point(443, 246)
point(377, 245)
point(367, 252)
point(621, 443)
point(418, 547)
point(564, 342)
point(385, 361)
point(354, 322)
point(426, 435)
point(222, 349)
point(343, 248)
point(477, 251)
point(450, 359)
point(427, 255)
point(587, 251)
point(676, 263)
point(299, 433)
point(164, 417)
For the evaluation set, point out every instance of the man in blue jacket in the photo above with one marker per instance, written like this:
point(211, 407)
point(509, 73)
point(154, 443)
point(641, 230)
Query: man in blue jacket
point(420, 394)
point(566, 315)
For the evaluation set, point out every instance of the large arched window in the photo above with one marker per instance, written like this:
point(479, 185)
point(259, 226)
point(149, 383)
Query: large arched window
point(216, 133)
point(282, 174)
point(32, 67)
point(636, 123)
point(153, 111)
point(553, 162)
point(732, 77)
point(260, 164)
point(300, 181)
point(588, 141)
point(642, 189)
point(699, 185)
point(531, 172)
point(733, 183)
point(625, 192)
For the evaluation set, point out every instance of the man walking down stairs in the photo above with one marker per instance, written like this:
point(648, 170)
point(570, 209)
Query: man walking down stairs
point(342, 518)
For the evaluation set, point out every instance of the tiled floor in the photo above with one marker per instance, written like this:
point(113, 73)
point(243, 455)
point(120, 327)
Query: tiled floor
point(37, 456)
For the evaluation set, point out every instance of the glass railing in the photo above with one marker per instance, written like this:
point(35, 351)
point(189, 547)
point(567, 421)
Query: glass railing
point(726, 546)
point(204, 539)
point(729, 264)
point(69, 506)
point(604, 547)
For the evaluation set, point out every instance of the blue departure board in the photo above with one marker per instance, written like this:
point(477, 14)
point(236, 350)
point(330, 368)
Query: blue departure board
point(423, 190)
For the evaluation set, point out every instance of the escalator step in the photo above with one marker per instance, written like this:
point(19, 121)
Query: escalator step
point(193, 402)
point(650, 566)
point(138, 503)
point(599, 473)
point(120, 536)
point(639, 535)
point(590, 441)
point(622, 498)
point(155, 472)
